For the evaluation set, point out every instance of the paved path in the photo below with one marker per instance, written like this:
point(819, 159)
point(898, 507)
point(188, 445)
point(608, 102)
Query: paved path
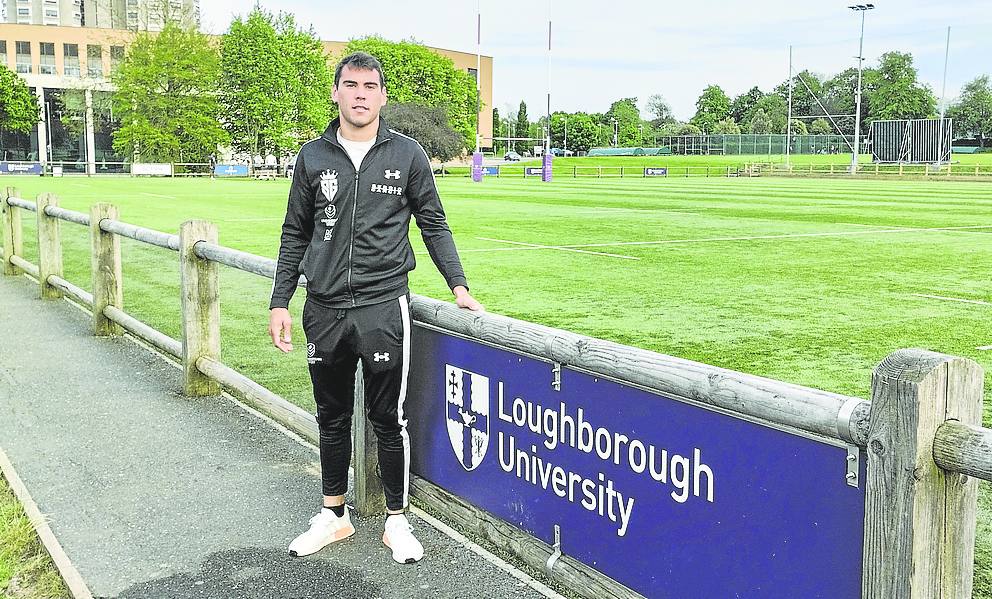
point(155, 495)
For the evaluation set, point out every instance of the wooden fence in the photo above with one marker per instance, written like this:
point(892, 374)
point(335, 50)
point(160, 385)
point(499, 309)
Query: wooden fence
point(922, 430)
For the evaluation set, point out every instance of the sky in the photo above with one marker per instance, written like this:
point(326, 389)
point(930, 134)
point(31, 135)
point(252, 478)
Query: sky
point(602, 51)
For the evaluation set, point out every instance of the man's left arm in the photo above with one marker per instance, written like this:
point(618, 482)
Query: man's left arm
point(425, 204)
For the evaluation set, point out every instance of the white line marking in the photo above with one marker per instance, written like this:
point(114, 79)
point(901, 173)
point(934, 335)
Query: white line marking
point(953, 299)
point(157, 195)
point(984, 348)
point(659, 210)
point(712, 239)
point(534, 246)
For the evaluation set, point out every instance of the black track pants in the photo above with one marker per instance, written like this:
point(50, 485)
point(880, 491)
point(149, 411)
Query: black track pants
point(379, 336)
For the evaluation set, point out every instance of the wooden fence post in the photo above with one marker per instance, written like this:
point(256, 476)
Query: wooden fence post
point(49, 247)
point(199, 293)
point(105, 266)
point(13, 242)
point(919, 534)
point(369, 496)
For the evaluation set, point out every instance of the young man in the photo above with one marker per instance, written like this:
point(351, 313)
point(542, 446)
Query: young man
point(347, 229)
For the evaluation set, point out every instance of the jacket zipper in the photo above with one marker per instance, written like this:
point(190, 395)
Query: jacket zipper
point(354, 211)
point(351, 247)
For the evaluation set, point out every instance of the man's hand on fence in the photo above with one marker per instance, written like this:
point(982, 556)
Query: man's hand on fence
point(280, 329)
point(464, 300)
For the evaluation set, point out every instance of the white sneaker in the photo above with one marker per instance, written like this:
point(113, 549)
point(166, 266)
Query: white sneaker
point(398, 536)
point(325, 528)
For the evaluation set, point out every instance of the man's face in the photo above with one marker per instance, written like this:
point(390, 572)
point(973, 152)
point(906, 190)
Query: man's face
point(359, 96)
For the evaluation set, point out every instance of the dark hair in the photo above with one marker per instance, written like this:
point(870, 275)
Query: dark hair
point(362, 61)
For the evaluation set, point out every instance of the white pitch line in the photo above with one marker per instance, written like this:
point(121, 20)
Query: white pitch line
point(984, 348)
point(157, 195)
point(535, 246)
point(715, 239)
point(953, 299)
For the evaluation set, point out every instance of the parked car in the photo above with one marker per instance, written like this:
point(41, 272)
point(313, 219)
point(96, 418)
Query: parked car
point(511, 156)
point(561, 152)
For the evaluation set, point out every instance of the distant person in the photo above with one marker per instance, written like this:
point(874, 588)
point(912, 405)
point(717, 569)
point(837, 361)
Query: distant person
point(212, 159)
point(347, 229)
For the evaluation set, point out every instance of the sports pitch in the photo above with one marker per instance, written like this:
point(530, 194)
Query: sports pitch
point(811, 281)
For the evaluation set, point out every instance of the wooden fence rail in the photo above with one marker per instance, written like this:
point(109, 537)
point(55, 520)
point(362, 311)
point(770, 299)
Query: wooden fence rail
point(922, 430)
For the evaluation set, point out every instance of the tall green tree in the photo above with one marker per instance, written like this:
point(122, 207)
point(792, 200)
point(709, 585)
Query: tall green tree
point(775, 110)
point(972, 113)
point(712, 107)
point(760, 122)
point(896, 93)
point(521, 128)
point(19, 108)
point(582, 131)
point(659, 110)
point(741, 107)
point(803, 102)
point(726, 127)
point(417, 74)
point(821, 127)
point(628, 117)
point(275, 84)
point(167, 99)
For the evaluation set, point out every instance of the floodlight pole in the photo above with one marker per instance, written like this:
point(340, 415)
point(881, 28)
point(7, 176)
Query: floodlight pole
point(477, 156)
point(788, 122)
point(862, 8)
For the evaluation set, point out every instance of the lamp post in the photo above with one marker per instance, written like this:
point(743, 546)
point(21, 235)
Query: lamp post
point(862, 8)
point(616, 131)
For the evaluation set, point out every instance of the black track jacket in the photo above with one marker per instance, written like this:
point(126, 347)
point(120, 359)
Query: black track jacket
point(348, 231)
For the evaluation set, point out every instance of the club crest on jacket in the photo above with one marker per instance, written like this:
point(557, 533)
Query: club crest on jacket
point(329, 184)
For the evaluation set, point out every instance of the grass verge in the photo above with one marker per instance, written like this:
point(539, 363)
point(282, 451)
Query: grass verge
point(26, 570)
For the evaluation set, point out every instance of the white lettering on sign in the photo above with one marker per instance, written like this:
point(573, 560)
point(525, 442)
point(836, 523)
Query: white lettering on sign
point(687, 476)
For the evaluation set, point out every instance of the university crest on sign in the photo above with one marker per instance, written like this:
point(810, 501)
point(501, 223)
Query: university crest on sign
point(467, 415)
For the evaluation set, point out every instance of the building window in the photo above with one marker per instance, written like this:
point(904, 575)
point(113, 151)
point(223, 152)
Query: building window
point(23, 56)
point(3, 52)
point(46, 66)
point(116, 57)
point(474, 73)
point(51, 13)
point(24, 12)
point(94, 61)
point(71, 59)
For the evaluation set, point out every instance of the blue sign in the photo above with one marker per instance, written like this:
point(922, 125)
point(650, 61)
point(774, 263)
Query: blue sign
point(667, 497)
point(531, 171)
point(21, 168)
point(231, 170)
point(656, 172)
point(490, 171)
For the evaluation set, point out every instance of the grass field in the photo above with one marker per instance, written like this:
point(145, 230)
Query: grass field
point(811, 281)
point(26, 570)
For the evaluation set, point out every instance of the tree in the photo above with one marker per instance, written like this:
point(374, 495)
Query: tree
point(839, 94)
point(275, 84)
point(972, 113)
point(760, 123)
point(799, 128)
point(741, 107)
point(660, 110)
point(689, 129)
point(803, 102)
point(627, 117)
point(19, 108)
point(417, 74)
point(499, 128)
point(167, 97)
point(582, 131)
point(522, 128)
point(712, 106)
point(821, 127)
point(896, 93)
point(428, 125)
point(726, 127)
point(775, 110)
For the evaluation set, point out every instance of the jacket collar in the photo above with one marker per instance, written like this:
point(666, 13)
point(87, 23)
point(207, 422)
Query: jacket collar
point(331, 133)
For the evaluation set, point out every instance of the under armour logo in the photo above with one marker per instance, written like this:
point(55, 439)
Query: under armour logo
point(377, 357)
point(392, 174)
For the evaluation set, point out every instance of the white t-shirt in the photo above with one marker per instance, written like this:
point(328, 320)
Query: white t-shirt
point(356, 149)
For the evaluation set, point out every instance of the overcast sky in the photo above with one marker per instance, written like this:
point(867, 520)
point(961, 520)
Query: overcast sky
point(603, 51)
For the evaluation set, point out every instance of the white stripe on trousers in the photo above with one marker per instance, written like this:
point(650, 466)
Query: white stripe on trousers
point(405, 315)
